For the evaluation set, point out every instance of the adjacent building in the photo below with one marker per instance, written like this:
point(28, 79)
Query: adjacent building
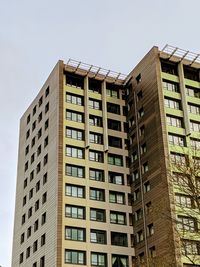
point(95, 150)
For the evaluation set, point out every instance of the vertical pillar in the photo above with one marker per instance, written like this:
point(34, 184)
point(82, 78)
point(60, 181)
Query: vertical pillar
point(104, 109)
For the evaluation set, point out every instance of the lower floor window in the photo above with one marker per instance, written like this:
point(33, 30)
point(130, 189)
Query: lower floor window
point(99, 259)
point(75, 257)
point(119, 260)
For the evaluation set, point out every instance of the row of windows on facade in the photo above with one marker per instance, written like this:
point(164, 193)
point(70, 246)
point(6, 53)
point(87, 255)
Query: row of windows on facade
point(37, 185)
point(174, 87)
point(94, 174)
point(178, 122)
point(179, 158)
point(94, 104)
point(94, 155)
point(34, 247)
point(95, 86)
point(96, 194)
point(40, 102)
point(99, 215)
point(180, 140)
point(94, 137)
point(38, 150)
point(176, 104)
point(39, 133)
point(172, 68)
point(97, 259)
point(38, 167)
point(95, 120)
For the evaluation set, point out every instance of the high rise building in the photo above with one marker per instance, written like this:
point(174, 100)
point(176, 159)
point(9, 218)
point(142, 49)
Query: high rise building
point(93, 183)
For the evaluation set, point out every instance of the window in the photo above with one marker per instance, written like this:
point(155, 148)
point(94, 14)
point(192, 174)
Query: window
point(22, 238)
point(138, 215)
point(33, 126)
point(33, 142)
point(45, 178)
point(171, 103)
point(138, 78)
point(191, 73)
point(174, 121)
point(74, 99)
point(40, 117)
point(150, 229)
point(98, 259)
point(119, 239)
point(37, 186)
point(75, 234)
point(75, 171)
point(43, 240)
point(34, 110)
point(46, 107)
point(176, 140)
point(113, 108)
point(95, 121)
point(142, 130)
point(134, 156)
point(98, 215)
point(116, 197)
point(28, 252)
point(32, 158)
point(94, 86)
point(171, 86)
point(74, 152)
point(120, 260)
point(34, 264)
point(140, 112)
point(74, 191)
point(169, 67)
point(44, 217)
point(29, 232)
point(27, 134)
point(96, 138)
point(27, 150)
point(74, 116)
point(36, 225)
point(37, 205)
point(21, 257)
point(97, 175)
point(97, 236)
point(23, 218)
point(147, 187)
point(45, 160)
point(135, 175)
point(26, 166)
point(97, 194)
point(96, 156)
point(46, 124)
point(187, 224)
point(177, 158)
point(46, 141)
point(148, 207)
point(35, 246)
point(139, 236)
point(114, 125)
point(39, 134)
point(39, 150)
point(25, 183)
point(194, 109)
point(24, 201)
point(31, 193)
point(116, 178)
point(42, 261)
point(115, 160)
point(95, 104)
point(114, 141)
point(75, 80)
point(195, 143)
point(112, 91)
point(40, 101)
point(184, 200)
point(47, 92)
point(193, 92)
point(195, 126)
point(75, 257)
point(152, 252)
point(190, 247)
point(136, 194)
point(76, 212)
point(145, 167)
point(117, 217)
point(28, 119)
point(44, 198)
point(74, 134)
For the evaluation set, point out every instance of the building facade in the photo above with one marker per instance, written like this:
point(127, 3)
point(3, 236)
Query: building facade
point(93, 186)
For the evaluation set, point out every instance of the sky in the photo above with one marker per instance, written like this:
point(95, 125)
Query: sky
point(34, 35)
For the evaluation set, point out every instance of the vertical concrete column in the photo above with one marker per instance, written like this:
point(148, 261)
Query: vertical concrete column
point(86, 106)
point(184, 99)
point(104, 109)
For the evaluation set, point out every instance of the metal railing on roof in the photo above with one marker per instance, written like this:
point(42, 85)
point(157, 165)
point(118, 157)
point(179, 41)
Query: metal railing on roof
point(95, 70)
point(181, 53)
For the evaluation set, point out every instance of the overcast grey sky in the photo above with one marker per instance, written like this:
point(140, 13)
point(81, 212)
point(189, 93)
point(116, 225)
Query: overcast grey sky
point(113, 34)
